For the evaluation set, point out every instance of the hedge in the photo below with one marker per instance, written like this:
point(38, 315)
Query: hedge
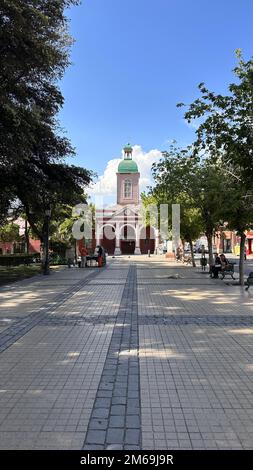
point(18, 259)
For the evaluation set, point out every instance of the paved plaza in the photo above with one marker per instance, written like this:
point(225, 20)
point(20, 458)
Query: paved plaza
point(142, 354)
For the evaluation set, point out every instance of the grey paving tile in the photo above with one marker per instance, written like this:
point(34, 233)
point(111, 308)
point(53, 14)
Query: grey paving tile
point(115, 436)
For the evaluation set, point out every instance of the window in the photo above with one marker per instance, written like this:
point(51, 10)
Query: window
point(127, 189)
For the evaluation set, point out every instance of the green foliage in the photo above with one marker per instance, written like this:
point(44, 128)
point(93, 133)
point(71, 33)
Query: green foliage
point(57, 259)
point(195, 184)
point(57, 186)
point(149, 210)
point(226, 130)
point(199, 186)
point(226, 133)
point(34, 53)
point(9, 233)
point(16, 273)
point(59, 247)
point(17, 259)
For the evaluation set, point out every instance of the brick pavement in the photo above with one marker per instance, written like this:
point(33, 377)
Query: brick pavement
point(143, 354)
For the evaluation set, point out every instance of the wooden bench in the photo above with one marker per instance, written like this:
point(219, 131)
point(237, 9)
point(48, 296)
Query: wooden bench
point(187, 260)
point(228, 270)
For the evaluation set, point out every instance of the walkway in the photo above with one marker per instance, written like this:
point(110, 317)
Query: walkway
point(142, 354)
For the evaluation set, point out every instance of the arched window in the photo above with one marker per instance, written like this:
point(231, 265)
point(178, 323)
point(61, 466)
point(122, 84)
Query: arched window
point(127, 189)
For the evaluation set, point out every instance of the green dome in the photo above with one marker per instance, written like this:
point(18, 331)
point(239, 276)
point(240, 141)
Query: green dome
point(127, 166)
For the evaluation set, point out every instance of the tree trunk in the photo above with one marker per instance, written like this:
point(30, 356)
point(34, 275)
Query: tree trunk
point(210, 249)
point(241, 262)
point(45, 245)
point(75, 253)
point(26, 238)
point(192, 254)
point(43, 251)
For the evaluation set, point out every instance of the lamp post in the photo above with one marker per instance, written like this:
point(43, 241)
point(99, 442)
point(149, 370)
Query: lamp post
point(46, 270)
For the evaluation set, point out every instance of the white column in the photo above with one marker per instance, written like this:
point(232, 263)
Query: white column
point(98, 228)
point(156, 241)
point(137, 250)
point(117, 250)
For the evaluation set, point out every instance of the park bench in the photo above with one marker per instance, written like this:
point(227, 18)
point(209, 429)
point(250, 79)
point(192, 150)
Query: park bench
point(228, 270)
point(249, 281)
point(187, 260)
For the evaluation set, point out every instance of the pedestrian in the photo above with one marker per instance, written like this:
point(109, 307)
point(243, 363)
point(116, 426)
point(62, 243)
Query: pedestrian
point(216, 267)
point(84, 254)
point(99, 252)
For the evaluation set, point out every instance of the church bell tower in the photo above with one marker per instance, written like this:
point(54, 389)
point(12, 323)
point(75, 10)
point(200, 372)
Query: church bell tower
point(128, 179)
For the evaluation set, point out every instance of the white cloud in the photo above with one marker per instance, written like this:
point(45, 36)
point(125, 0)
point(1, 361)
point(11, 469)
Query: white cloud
point(107, 183)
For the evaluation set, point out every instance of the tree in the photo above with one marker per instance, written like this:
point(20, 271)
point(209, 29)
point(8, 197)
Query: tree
point(238, 216)
point(55, 185)
point(226, 133)
point(9, 233)
point(191, 225)
point(34, 53)
point(197, 185)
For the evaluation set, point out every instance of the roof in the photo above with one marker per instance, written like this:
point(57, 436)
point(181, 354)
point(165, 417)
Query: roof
point(128, 148)
point(127, 166)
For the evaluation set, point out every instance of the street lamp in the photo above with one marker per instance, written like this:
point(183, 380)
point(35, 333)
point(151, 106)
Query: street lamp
point(46, 270)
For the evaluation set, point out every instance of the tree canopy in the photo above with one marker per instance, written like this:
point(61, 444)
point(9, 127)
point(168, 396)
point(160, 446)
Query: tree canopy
point(34, 53)
point(225, 134)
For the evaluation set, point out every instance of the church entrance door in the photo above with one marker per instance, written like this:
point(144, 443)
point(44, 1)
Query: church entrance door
point(108, 239)
point(127, 242)
point(127, 247)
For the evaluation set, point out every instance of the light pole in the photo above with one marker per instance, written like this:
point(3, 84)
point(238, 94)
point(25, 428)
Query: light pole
point(46, 270)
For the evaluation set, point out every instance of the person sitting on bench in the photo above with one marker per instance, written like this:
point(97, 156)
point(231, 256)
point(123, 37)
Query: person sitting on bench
point(224, 261)
point(216, 267)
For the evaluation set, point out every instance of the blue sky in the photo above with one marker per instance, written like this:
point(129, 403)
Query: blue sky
point(134, 60)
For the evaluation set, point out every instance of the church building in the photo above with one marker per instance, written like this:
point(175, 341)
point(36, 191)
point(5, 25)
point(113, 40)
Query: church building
point(119, 229)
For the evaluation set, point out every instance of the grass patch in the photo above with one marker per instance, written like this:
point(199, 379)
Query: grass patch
point(16, 273)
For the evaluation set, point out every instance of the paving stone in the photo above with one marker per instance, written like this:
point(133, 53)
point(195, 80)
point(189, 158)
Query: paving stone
point(115, 436)
point(132, 436)
point(119, 400)
point(117, 375)
point(95, 437)
point(132, 447)
point(118, 410)
point(133, 421)
point(180, 352)
point(93, 447)
point(98, 423)
point(117, 421)
point(100, 413)
point(114, 447)
point(102, 403)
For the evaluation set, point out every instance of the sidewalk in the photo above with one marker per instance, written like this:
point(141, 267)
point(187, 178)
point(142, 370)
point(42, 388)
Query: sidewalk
point(143, 354)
